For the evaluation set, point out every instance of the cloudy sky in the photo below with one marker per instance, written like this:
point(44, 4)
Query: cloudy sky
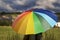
point(21, 5)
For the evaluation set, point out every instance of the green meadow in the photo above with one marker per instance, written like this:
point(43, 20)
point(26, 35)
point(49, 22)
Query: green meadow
point(52, 34)
point(7, 33)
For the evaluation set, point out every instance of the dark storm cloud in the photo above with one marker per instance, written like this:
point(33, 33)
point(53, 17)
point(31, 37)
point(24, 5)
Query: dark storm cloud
point(18, 5)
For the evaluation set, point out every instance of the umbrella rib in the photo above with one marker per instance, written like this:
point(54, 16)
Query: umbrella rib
point(50, 20)
point(24, 25)
point(19, 17)
point(44, 23)
point(18, 25)
point(30, 25)
point(38, 25)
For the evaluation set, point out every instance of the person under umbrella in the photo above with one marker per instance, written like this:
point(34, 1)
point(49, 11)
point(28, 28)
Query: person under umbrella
point(34, 22)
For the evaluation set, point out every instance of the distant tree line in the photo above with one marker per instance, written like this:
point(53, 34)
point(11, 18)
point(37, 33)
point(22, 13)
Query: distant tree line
point(3, 13)
point(8, 21)
point(58, 14)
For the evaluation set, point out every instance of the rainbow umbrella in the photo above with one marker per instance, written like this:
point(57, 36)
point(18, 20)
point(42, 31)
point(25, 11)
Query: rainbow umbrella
point(34, 21)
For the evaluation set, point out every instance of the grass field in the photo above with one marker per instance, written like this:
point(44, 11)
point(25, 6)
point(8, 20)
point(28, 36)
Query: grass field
point(6, 33)
point(52, 34)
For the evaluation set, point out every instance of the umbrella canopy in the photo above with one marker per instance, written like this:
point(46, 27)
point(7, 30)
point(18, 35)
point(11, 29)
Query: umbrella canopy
point(34, 21)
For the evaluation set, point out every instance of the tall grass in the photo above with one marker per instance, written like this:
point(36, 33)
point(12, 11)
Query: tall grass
point(7, 33)
point(52, 34)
